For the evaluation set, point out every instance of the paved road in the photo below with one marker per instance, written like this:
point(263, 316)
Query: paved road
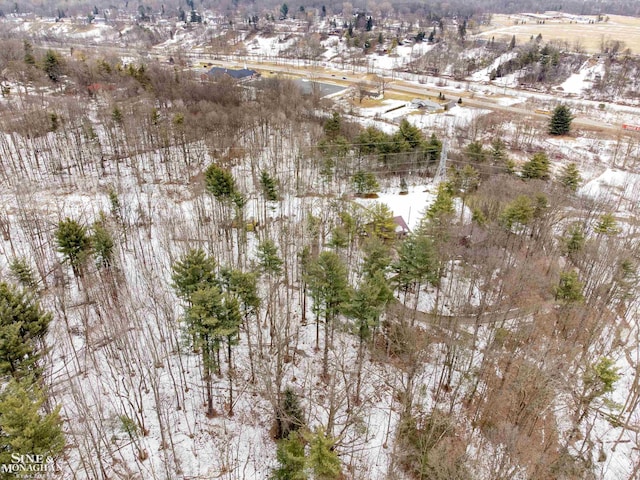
point(472, 99)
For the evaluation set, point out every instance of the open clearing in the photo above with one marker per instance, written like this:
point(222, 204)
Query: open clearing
point(588, 37)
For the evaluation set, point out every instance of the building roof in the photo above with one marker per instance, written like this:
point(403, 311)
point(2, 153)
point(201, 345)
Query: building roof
point(422, 103)
point(237, 74)
point(401, 225)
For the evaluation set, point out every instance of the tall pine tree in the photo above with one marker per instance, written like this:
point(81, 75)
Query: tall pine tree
point(23, 326)
point(23, 429)
point(291, 460)
point(326, 279)
point(560, 122)
point(73, 243)
point(269, 186)
point(219, 182)
point(207, 331)
point(194, 271)
point(570, 177)
point(537, 167)
point(323, 459)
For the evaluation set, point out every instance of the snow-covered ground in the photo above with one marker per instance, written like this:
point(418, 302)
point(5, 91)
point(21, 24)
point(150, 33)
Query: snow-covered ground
point(131, 360)
point(456, 117)
point(269, 46)
point(483, 74)
point(410, 207)
point(577, 83)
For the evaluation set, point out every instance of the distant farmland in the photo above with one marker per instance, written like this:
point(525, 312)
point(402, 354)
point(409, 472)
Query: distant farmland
point(585, 36)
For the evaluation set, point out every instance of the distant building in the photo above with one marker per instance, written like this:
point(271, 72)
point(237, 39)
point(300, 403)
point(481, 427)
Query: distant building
point(427, 104)
point(242, 74)
point(402, 229)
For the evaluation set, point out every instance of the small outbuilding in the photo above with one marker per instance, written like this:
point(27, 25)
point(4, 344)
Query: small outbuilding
point(426, 104)
point(402, 229)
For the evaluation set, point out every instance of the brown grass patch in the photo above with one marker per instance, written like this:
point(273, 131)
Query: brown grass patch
point(588, 36)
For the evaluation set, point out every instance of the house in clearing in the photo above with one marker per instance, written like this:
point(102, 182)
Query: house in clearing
point(240, 75)
point(402, 229)
point(426, 104)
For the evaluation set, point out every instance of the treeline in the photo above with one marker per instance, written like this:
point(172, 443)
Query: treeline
point(539, 64)
point(172, 8)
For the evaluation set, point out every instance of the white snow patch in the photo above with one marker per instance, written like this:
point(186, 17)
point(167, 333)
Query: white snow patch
point(410, 207)
point(626, 183)
point(483, 74)
point(456, 117)
point(581, 81)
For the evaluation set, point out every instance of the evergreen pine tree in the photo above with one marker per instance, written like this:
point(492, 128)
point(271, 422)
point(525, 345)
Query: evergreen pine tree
point(601, 377)
point(377, 257)
point(510, 167)
point(23, 326)
point(23, 273)
point(116, 206)
point(291, 459)
point(417, 262)
point(381, 222)
point(194, 271)
point(478, 216)
point(365, 183)
point(290, 417)
point(537, 167)
point(23, 429)
point(339, 237)
point(268, 259)
point(219, 182)
point(475, 152)
point(408, 136)
point(207, 330)
point(102, 242)
point(326, 278)
point(404, 189)
point(244, 285)
point(498, 151)
point(73, 243)
point(569, 288)
point(230, 321)
point(570, 177)
point(117, 116)
point(52, 65)
point(323, 459)
point(368, 303)
point(519, 212)
point(332, 126)
point(607, 225)
point(442, 207)
point(29, 59)
point(574, 239)
point(366, 306)
point(269, 186)
point(560, 122)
